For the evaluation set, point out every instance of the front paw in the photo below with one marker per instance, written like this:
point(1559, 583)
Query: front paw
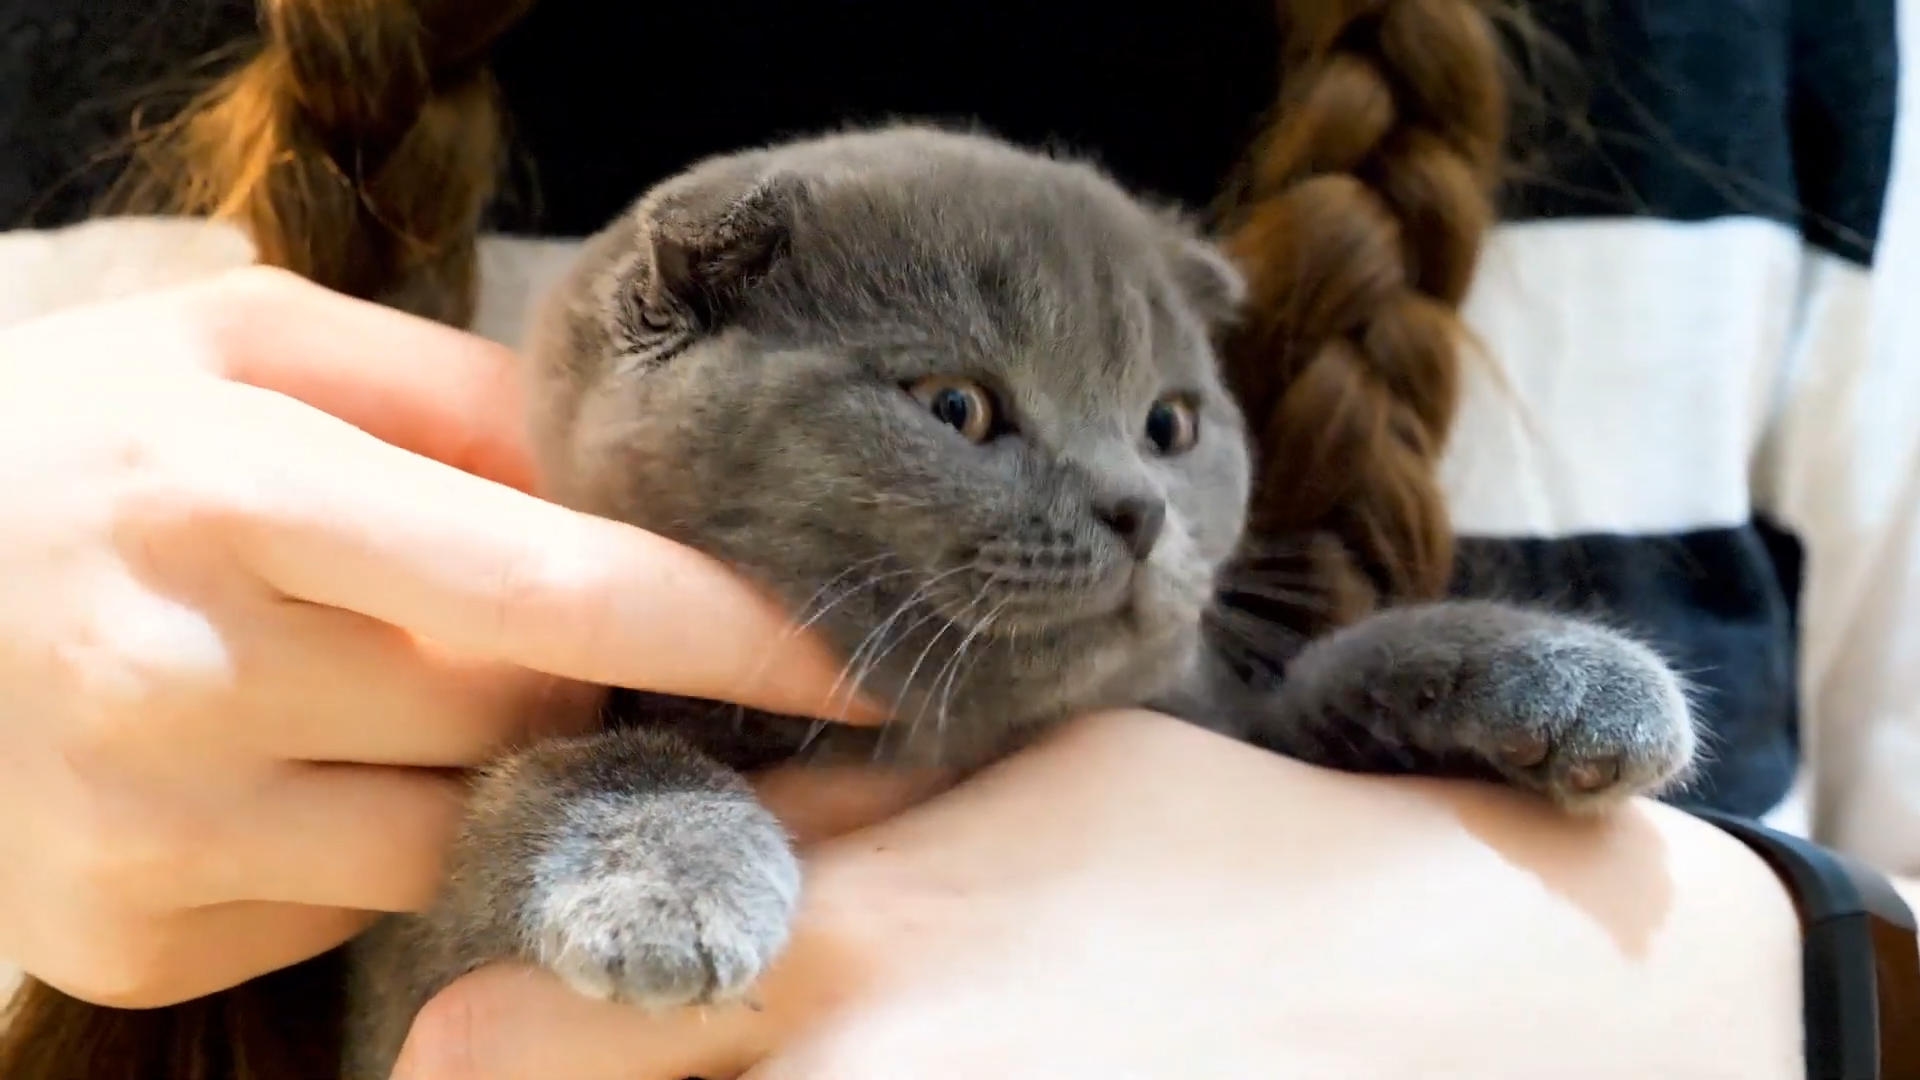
point(663, 914)
point(1576, 712)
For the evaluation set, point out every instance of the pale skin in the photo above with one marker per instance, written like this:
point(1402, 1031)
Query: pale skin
point(266, 566)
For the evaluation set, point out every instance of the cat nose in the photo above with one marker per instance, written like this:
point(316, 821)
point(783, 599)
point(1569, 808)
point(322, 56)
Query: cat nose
point(1137, 521)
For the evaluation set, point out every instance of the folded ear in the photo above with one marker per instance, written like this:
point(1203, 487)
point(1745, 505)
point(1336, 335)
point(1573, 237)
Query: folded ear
point(709, 235)
point(1210, 280)
point(1205, 275)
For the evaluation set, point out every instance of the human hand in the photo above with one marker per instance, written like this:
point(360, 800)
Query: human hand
point(250, 606)
point(1138, 898)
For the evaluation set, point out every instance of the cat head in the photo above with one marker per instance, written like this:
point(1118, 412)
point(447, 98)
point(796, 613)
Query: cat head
point(955, 403)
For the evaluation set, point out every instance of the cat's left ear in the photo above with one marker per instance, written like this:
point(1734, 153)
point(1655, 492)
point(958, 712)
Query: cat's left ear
point(1209, 280)
point(709, 237)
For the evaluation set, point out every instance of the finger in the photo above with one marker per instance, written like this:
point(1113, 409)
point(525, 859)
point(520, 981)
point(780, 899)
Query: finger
point(331, 685)
point(349, 522)
point(199, 952)
point(817, 803)
point(439, 392)
point(348, 836)
point(248, 939)
point(515, 1023)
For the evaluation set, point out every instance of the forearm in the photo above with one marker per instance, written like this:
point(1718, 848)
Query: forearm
point(1493, 936)
point(1137, 897)
point(1649, 945)
point(1373, 926)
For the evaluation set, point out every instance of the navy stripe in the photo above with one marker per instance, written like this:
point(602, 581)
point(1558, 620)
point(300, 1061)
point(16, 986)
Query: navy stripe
point(72, 73)
point(1846, 89)
point(1696, 109)
point(1701, 109)
point(1718, 603)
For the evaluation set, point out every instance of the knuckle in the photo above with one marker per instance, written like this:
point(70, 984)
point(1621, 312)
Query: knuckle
point(124, 848)
point(102, 953)
point(172, 477)
point(132, 680)
point(111, 711)
point(240, 309)
point(119, 838)
point(155, 505)
point(178, 493)
point(120, 967)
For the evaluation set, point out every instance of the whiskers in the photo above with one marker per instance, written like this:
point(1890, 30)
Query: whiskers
point(929, 613)
point(951, 674)
point(860, 577)
point(912, 617)
point(880, 641)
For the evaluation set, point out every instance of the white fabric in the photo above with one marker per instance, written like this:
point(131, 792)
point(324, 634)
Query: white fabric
point(45, 271)
point(1635, 408)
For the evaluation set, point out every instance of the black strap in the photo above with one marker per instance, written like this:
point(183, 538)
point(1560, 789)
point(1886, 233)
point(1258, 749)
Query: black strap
point(1861, 974)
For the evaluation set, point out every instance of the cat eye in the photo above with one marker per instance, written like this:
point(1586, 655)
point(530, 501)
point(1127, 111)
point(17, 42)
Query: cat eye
point(1172, 426)
point(964, 406)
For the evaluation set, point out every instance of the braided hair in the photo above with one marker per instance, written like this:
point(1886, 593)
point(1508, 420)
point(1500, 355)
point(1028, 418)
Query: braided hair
point(358, 148)
point(1358, 221)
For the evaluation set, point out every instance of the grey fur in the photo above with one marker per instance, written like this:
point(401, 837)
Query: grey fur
point(725, 366)
point(1570, 709)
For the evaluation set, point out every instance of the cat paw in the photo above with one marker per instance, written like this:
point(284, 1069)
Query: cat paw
point(667, 925)
point(1585, 716)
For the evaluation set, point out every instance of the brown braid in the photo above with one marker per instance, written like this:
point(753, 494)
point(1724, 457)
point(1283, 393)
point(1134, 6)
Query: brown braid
point(1359, 221)
point(360, 146)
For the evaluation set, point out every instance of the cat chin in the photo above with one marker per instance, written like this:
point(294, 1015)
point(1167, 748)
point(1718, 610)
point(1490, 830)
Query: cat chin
point(1128, 668)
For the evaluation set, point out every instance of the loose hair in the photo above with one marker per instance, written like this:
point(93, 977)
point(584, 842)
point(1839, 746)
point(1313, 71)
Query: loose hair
point(360, 146)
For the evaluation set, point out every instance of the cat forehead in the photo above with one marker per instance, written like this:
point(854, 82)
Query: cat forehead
point(947, 248)
point(1051, 274)
point(1048, 217)
point(1077, 327)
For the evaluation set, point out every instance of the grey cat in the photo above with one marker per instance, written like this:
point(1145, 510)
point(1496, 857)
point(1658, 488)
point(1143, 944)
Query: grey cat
point(956, 404)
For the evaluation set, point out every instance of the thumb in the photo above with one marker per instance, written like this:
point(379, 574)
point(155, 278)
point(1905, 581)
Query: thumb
point(508, 1022)
point(513, 1023)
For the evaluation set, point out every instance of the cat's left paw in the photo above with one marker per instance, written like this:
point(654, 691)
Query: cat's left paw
point(1581, 714)
point(688, 908)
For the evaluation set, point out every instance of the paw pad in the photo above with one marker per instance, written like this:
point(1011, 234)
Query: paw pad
point(1525, 750)
point(1590, 776)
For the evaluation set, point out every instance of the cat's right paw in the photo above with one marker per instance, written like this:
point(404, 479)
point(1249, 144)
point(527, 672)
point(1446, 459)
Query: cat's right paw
point(1572, 710)
point(1560, 706)
point(659, 925)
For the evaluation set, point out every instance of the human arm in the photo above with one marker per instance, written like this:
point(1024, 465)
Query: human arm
point(251, 605)
point(1136, 897)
